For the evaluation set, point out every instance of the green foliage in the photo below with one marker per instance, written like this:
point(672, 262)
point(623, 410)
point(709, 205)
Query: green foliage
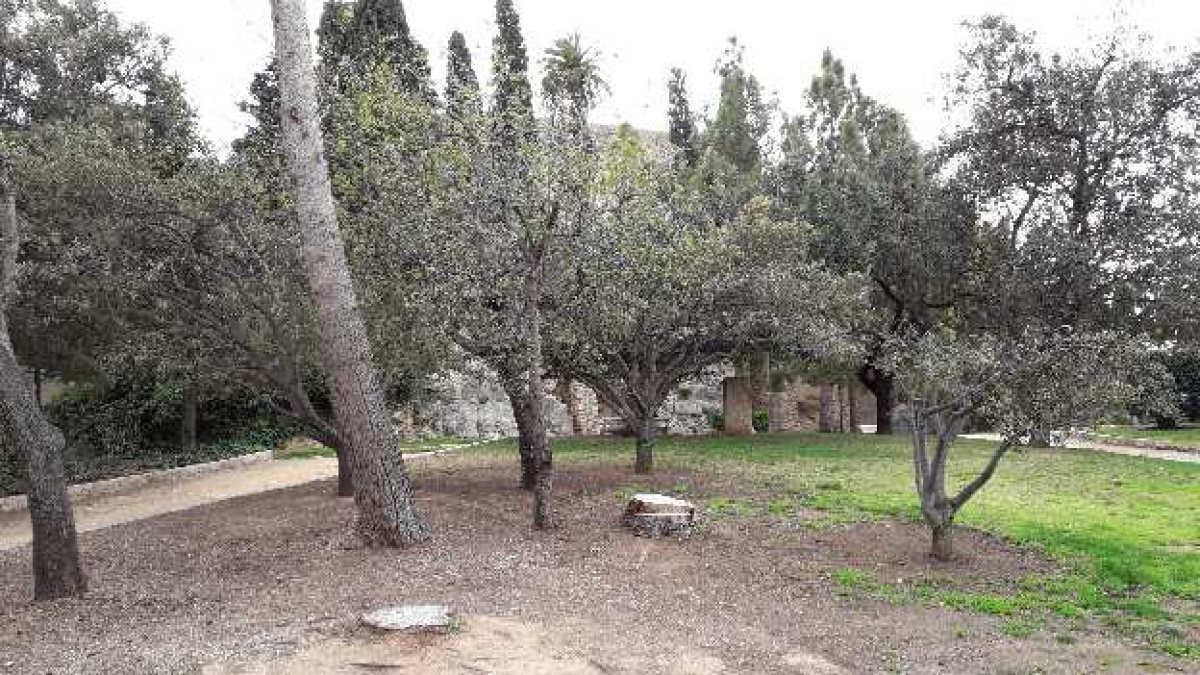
point(682, 130)
point(761, 421)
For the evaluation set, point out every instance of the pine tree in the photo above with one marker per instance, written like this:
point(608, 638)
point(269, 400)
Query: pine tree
point(683, 122)
point(462, 86)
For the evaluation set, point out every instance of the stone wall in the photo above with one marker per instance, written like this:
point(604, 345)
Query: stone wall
point(472, 404)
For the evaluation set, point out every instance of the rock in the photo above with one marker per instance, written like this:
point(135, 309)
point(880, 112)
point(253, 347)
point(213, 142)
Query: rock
point(415, 618)
point(650, 515)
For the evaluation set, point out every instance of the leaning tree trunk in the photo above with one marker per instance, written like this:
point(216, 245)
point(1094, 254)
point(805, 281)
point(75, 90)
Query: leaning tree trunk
point(644, 463)
point(57, 570)
point(383, 493)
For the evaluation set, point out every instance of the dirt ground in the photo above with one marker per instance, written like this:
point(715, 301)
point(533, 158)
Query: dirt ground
point(267, 584)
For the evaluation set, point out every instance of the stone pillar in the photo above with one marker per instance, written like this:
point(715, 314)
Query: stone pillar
point(738, 410)
point(584, 409)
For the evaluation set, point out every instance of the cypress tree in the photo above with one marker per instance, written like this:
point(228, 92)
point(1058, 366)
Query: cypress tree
point(382, 34)
point(512, 107)
point(462, 86)
point(682, 122)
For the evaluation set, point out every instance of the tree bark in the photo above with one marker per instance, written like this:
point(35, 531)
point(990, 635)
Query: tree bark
point(644, 463)
point(187, 429)
point(539, 441)
point(382, 491)
point(57, 570)
point(942, 547)
point(37, 387)
point(880, 384)
point(345, 477)
point(514, 388)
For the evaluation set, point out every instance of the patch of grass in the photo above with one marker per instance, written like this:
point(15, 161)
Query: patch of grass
point(1123, 527)
point(1184, 435)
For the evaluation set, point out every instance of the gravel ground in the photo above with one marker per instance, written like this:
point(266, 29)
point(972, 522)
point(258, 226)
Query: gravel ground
point(266, 584)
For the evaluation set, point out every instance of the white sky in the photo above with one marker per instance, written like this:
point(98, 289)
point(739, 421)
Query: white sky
point(901, 51)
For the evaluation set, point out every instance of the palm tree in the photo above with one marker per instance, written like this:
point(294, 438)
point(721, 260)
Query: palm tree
point(573, 75)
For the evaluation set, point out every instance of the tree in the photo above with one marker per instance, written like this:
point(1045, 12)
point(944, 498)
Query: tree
point(507, 204)
point(851, 168)
point(462, 85)
point(382, 489)
point(572, 77)
point(1085, 166)
point(655, 299)
point(682, 130)
point(57, 570)
point(1041, 380)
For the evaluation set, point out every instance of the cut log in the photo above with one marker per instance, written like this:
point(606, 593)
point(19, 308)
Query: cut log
point(658, 516)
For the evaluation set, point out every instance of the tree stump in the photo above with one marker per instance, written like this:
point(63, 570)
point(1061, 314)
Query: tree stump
point(659, 516)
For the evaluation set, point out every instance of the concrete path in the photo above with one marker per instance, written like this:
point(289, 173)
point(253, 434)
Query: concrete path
point(1081, 444)
point(100, 511)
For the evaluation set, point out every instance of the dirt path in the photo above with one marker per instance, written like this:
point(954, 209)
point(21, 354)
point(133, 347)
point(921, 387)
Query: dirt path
point(1080, 444)
point(103, 511)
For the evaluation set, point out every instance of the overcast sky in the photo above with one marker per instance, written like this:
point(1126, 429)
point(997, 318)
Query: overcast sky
point(901, 51)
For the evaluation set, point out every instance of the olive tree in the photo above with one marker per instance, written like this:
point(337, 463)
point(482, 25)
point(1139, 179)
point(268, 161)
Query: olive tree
point(1020, 386)
point(656, 294)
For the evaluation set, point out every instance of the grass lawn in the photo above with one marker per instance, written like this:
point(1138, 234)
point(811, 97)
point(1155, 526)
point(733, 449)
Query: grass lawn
point(1184, 435)
point(1126, 529)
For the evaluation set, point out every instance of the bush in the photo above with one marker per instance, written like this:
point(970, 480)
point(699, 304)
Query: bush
point(762, 422)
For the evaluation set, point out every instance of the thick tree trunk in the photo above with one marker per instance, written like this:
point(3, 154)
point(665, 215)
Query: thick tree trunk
point(382, 491)
point(187, 428)
point(942, 547)
point(644, 463)
point(880, 384)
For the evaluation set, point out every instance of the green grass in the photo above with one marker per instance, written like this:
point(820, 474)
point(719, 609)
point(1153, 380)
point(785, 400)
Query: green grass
point(1126, 529)
point(1185, 435)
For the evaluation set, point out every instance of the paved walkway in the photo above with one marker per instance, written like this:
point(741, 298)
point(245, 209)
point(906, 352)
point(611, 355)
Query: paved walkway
point(100, 511)
point(1152, 453)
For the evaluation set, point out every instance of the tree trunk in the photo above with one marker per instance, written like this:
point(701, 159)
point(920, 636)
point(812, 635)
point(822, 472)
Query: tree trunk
point(880, 384)
point(943, 541)
point(825, 409)
point(644, 463)
point(382, 491)
point(57, 570)
point(187, 429)
point(37, 387)
point(525, 445)
point(345, 477)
